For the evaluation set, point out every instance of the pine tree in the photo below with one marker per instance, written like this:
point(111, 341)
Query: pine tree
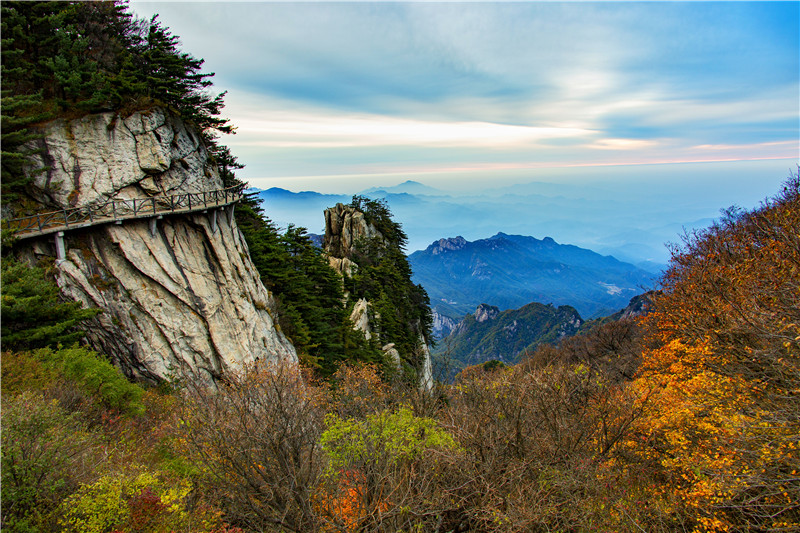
point(71, 58)
point(33, 314)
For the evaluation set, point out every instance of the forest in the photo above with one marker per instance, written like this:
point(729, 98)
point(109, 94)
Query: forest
point(684, 419)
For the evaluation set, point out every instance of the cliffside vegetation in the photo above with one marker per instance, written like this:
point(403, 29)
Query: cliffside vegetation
point(685, 419)
point(66, 59)
point(401, 308)
point(311, 308)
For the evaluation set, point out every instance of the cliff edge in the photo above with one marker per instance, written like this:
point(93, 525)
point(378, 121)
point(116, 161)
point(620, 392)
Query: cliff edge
point(178, 293)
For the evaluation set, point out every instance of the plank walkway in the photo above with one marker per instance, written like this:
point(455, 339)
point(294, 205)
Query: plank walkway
point(119, 210)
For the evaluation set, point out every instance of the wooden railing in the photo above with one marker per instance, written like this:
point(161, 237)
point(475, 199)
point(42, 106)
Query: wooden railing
point(118, 210)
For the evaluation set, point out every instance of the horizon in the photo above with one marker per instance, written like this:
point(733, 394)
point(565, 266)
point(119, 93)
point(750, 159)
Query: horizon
point(642, 101)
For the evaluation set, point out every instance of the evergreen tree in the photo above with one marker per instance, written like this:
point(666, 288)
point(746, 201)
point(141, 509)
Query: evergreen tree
point(309, 292)
point(402, 309)
point(33, 314)
point(71, 58)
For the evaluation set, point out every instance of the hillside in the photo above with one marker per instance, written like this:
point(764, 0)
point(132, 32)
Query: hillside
point(489, 333)
point(509, 271)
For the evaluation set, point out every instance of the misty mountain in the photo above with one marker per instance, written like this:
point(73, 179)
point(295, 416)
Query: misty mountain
point(510, 271)
point(407, 187)
point(591, 217)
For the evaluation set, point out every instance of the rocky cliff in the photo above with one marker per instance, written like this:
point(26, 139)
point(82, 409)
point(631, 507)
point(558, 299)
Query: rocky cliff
point(184, 298)
point(345, 228)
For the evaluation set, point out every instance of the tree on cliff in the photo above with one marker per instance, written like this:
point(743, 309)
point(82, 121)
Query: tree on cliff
point(33, 314)
point(403, 314)
point(71, 58)
point(311, 310)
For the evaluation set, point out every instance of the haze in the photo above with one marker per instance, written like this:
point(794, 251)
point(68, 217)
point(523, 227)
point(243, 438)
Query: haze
point(671, 110)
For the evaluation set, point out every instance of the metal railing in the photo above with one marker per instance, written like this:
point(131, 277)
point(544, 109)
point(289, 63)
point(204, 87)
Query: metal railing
point(118, 210)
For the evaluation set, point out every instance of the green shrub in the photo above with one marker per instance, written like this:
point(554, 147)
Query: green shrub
point(44, 457)
point(96, 376)
point(136, 501)
point(398, 436)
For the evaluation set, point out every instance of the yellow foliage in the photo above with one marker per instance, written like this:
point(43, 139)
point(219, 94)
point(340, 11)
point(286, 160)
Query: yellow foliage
point(106, 504)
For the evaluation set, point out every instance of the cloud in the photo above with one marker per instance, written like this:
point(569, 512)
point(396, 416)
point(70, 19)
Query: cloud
point(326, 129)
point(376, 88)
point(621, 144)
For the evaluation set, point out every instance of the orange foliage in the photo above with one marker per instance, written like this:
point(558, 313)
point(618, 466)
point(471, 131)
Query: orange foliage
point(725, 357)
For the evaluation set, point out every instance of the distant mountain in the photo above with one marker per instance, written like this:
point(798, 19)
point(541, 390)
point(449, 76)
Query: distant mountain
point(598, 218)
point(489, 333)
point(509, 271)
point(299, 208)
point(407, 187)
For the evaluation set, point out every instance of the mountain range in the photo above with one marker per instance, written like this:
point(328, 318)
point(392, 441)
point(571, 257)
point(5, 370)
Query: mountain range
point(590, 216)
point(510, 271)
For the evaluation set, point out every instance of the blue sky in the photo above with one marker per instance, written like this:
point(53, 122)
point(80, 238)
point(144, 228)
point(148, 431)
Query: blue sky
point(340, 97)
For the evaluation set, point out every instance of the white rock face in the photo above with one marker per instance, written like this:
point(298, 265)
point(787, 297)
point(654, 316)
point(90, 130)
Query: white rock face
point(360, 318)
point(426, 375)
point(101, 156)
point(187, 299)
point(442, 325)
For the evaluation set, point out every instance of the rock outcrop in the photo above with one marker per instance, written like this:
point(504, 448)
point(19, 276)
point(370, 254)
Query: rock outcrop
point(104, 156)
point(185, 299)
point(442, 325)
point(486, 312)
point(345, 227)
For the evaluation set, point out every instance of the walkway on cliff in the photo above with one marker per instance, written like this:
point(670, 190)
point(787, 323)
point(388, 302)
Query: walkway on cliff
point(117, 211)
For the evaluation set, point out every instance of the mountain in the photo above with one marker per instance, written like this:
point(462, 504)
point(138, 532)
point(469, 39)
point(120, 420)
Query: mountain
point(509, 271)
point(407, 187)
point(594, 217)
point(489, 333)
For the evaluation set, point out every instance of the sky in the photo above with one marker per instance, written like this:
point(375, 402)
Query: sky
point(467, 96)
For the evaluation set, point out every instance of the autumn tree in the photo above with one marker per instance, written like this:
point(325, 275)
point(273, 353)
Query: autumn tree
point(256, 441)
point(725, 339)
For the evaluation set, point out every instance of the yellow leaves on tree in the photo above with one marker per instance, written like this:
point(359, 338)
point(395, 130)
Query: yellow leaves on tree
point(725, 357)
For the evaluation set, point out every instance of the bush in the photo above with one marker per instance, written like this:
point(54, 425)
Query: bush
point(46, 453)
point(97, 377)
point(77, 367)
point(383, 471)
point(133, 502)
point(256, 442)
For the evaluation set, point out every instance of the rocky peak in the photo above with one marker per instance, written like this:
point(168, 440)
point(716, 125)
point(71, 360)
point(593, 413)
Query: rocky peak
point(443, 245)
point(486, 312)
point(344, 227)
